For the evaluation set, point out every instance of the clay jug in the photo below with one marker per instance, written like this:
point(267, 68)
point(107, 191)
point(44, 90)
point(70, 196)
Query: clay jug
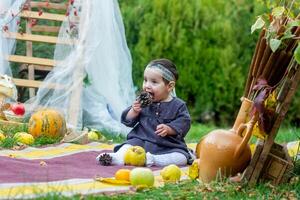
point(226, 152)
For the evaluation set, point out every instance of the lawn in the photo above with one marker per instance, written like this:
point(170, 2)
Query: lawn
point(197, 190)
point(284, 135)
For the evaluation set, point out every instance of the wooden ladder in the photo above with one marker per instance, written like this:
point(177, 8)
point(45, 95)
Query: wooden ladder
point(36, 34)
point(254, 171)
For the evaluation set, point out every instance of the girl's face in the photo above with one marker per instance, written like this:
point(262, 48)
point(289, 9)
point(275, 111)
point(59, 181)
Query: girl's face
point(155, 85)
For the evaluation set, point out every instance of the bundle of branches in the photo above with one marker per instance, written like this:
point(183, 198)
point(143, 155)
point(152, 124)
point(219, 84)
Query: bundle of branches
point(277, 52)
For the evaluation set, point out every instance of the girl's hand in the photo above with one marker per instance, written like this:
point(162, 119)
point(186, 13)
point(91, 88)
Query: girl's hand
point(136, 107)
point(164, 130)
point(134, 111)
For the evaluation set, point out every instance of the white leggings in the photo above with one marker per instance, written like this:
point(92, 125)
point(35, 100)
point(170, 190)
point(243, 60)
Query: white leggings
point(157, 160)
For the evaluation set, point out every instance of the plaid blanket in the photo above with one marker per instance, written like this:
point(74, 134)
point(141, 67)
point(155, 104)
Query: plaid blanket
point(67, 169)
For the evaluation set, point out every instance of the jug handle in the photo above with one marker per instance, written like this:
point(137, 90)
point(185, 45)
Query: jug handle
point(249, 127)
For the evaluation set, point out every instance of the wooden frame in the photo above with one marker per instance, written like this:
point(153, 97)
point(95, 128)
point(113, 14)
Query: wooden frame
point(29, 63)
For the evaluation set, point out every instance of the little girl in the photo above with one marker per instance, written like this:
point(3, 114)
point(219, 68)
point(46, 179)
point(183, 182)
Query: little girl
point(159, 128)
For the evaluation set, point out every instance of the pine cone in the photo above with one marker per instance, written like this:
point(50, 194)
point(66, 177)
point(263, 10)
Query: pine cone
point(105, 159)
point(145, 98)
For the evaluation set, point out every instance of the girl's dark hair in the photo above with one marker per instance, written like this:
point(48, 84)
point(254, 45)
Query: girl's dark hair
point(168, 65)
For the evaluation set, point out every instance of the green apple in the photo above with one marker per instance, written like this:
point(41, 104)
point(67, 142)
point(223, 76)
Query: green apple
point(92, 135)
point(141, 176)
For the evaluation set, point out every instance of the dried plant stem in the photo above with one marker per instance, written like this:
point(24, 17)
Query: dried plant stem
point(291, 44)
point(261, 50)
point(277, 64)
point(280, 68)
point(250, 77)
point(264, 61)
point(270, 64)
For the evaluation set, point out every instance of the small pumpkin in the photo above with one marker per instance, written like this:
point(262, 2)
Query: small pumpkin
point(47, 122)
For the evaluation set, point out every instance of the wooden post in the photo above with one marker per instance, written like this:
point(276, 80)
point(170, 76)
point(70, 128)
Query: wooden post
point(31, 73)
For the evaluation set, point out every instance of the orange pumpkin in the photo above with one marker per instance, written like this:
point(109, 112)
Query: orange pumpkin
point(47, 122)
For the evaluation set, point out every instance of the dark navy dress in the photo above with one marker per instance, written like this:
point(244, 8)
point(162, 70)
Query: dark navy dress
point(174, 114)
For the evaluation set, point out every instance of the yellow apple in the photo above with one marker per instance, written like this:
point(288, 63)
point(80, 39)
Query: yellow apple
point(171, 173)
point(135, 155)
point(93, 136)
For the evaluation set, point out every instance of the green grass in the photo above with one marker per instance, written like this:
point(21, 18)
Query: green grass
point(284, 135)
point(198, 190)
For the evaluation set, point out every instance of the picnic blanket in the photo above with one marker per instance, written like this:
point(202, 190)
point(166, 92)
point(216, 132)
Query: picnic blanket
point(66, 169)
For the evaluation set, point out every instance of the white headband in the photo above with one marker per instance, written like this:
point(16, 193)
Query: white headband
point(166, 74)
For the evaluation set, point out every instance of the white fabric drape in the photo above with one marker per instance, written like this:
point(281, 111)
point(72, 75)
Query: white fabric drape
point(8, 9)
point(96, 68)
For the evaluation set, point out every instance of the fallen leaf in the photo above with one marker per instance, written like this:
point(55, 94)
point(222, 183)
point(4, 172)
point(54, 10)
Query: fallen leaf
point(43, 163)
point(112, 181)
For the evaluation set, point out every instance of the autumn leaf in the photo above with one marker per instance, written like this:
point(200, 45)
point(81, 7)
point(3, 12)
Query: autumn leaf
point(43, 163)
point(33, 22)
point(261, 82)
point(26, 6)
point(265, 116)
point(40, 12)
point(5, 28)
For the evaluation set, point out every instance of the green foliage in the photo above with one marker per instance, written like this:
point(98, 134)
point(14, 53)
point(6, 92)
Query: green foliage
point(11, 130)
point(287, 134)
point(43, 140)
point(8, 142)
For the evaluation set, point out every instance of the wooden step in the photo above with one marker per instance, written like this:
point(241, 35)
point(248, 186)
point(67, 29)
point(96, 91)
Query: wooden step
point(31, 60)
point(27, 83)
point(36, 67)
point(34, 84)
point(48, 5)
point(44, 28)
point(35, 38)
point(44, 15)
point(32, 38)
